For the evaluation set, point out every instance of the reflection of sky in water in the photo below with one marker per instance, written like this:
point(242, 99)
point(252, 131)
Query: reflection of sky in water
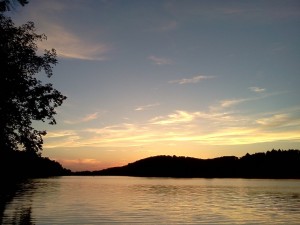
point(78, 200)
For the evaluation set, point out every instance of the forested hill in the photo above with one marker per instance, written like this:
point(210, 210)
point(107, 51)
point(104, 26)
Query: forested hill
point(272, 164)
point(21, 164)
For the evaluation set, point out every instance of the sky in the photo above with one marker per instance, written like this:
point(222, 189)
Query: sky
point(190, 78)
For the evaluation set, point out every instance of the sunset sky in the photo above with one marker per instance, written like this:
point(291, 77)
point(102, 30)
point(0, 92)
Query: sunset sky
point(160, 77)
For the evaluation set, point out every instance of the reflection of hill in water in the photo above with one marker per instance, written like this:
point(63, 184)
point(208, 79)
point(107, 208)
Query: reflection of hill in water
point(15, 167)
point(273, 164)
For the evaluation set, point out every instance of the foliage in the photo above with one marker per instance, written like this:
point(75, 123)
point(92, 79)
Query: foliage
point(24, 98)
point(16, 165)
point(7, 5)
point(273, 164)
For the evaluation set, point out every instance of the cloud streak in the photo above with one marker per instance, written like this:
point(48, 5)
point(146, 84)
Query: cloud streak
point(61, 133)
point(86, 118)
point(257, 89)
point(279, 120)
point(226, 103)
point(212, 127)
point(192, 80)
point(146, 107)
point(184, 127)
point(175, 118)
point(159, 60)
point(69, 45)
point(217, 126)
point(231, 102)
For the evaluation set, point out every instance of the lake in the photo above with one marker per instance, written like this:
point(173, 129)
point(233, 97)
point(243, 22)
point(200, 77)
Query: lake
point(135, 200)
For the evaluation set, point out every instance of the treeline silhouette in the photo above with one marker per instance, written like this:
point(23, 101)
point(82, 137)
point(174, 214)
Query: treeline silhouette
point(272, 164)
point(21, 164)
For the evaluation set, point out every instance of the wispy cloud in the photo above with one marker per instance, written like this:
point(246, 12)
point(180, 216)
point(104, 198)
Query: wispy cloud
point(181, 117)
point(159, 60)
point(70, 45)
point(257, 89)
point(175, 118)
point(226, 103)
point(192, 80)
point(275, 120)
point(146, 107)
point(204, 127)
point(86, 118)
point(60, 139)
point(231, 102)
point(89, 117)
point(121, 135)
point(66, 41)
point(59, 134)
point(198, 127)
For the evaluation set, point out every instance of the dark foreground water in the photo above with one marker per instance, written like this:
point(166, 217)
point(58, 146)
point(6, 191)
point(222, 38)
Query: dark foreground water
point(131, 200)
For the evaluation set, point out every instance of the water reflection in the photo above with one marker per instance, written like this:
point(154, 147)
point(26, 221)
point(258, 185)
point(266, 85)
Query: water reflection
point(22, 213)
point(127, 200)
point(226, 200)
point(21, 216)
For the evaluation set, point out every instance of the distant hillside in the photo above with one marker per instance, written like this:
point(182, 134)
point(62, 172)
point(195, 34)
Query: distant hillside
point(272, 164)
point(20, 164)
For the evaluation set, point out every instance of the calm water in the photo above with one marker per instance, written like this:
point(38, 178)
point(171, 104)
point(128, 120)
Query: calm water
point(129, 200)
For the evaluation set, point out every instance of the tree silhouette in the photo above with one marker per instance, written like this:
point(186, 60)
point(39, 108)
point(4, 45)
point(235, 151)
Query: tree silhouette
point(7, 5)
point(275, 164)
point(24, 98)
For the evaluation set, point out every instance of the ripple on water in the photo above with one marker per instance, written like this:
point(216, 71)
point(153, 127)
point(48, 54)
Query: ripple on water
point(128, 200)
